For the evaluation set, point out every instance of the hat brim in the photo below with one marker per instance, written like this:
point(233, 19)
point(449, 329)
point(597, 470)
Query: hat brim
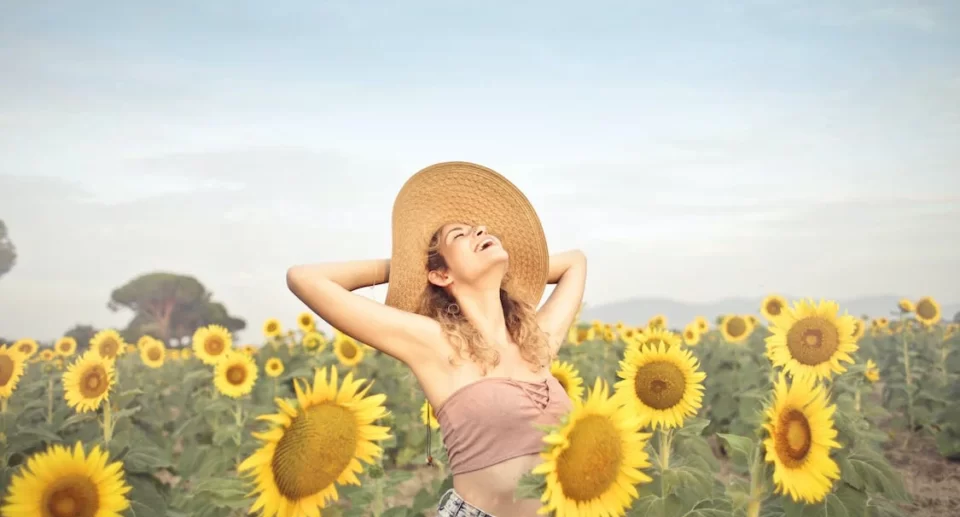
point(462, 192)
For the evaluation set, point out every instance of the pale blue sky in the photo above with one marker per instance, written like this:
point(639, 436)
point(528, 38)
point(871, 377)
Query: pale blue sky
point(694, 150)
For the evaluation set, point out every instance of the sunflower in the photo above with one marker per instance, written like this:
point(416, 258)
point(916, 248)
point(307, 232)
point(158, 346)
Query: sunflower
point(928, 310)
point(274, 367)
point(47, 355)
point(249, 350)
point(811, 340)
point(186, 353)
point(735, 329)
point(108, 344)
point(11, 369)
point(59, 482)
point(592, 461)
point(658, 321)
point(235, 374)
point(314, 340)
point(609, 335)
point(427, 416)
point(662, 385)
point(569, 378)
point(272, 328)
point(702, 324)
point(317, 444)
point(858, 329)
point(66, 346)
point(210, 343)
point(872, 372)
point(27, 347)
point(305, 322)
point(153, 354)
point(772, 306)
point(905, 305)
point(585, 334)
point(87, 382)
point(175, 354)
point(800, 434)
point(691, 335)
point(347, 350)
point(882, 322)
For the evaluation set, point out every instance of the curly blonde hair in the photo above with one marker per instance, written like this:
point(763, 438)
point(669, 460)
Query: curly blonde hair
point(520, 317)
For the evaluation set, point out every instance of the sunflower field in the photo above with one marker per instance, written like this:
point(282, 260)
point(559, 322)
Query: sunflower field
point(790, 412)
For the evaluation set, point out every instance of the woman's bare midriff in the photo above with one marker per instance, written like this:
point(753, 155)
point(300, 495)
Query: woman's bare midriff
point(493, 489)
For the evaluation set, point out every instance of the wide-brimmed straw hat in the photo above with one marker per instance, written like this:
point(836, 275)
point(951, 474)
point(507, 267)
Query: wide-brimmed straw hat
point(462, 192)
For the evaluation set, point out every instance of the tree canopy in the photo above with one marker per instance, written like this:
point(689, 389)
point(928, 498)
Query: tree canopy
point(169, 307)
point(8, 252)
point(83, 334)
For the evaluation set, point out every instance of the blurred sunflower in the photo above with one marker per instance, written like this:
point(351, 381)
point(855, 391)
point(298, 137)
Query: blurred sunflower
point(108, 344)
point(210, 343)
point(569, 378)
point(59, 482)
point(27, 347)
point(153, 354)
point(305, 322)
point(66, 346)
point(691, 336)
point(87, 382)
point(592, 461)
point(702, 324)
point(249, 350)
point(858, 329)
point(316, 444)
point(800, 434)
point(347, 350)
point(585, 334)
point(905, 305)
point(882, 322)
point(235, 374)
point(47, 355)
point(654, 336)
point(811, 340)
point(658, 321)
point(661, 385)
point(928, 310)
point(427, 416)
point(735, 329)
point(872, 372)
point(11, 369)
point(272, 328)
point(314, 340)
point(186, 353)
point(175, 354)
point(772, 306)
point(273, 367)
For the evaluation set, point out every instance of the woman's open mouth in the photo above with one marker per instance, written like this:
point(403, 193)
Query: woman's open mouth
point(485, 243)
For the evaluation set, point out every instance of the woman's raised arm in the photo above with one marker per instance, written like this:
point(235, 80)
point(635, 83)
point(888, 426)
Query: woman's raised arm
point(569, 271)
point(327, 290)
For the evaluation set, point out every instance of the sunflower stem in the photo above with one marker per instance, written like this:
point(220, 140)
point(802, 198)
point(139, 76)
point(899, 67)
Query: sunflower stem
point(107, 422)
point(908, 376)
point(50, 399)
point(3, 405)
point(666, 436)
point(757, 487)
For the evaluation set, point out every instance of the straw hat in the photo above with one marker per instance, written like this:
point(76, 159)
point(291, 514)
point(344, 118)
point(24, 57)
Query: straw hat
point(461, 192)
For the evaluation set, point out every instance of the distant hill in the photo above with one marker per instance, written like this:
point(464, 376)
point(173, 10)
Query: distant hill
point(636, 311)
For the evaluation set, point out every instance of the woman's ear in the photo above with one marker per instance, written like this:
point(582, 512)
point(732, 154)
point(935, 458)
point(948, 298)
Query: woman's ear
point(439, 278)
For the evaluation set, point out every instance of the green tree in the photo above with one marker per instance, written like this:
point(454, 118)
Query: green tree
point(169, 307)
point(8, 252)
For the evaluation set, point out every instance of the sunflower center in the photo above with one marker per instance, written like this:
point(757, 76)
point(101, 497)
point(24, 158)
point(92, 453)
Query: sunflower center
point(812, 340)
point(348, 349)
point(213, 345)
point(660, 384)
point(154, 354)
point(93, 383)
point(108, 348)
point(926, 310)
point(274, 366)
point(582, 334)
point(6, 369)
point(236, 374)
point(305, 321)
point(71, 496)
point(736, 327)
point(314, 450)
point(590, 465)
point(793, 440)
point(64, 346)
point(271, 327)
point(773, 307)
point(25, 348)
point(689, 334)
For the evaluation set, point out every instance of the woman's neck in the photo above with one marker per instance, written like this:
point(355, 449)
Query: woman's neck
point(484, 310)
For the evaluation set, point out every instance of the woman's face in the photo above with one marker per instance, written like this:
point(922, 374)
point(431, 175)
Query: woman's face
point(472, 255)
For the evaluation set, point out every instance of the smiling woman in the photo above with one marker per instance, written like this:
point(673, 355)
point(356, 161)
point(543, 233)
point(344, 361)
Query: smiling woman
point(468, 269)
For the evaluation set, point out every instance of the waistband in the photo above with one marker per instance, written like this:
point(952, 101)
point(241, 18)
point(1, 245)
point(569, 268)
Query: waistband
point(452, 505)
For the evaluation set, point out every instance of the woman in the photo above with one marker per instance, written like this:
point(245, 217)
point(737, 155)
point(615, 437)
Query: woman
point(468, 267)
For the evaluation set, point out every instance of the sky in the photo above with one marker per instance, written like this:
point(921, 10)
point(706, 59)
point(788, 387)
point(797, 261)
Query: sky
point(693, 150)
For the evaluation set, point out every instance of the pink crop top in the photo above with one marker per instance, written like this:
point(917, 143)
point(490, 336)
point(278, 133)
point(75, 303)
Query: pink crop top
point(492, 420)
